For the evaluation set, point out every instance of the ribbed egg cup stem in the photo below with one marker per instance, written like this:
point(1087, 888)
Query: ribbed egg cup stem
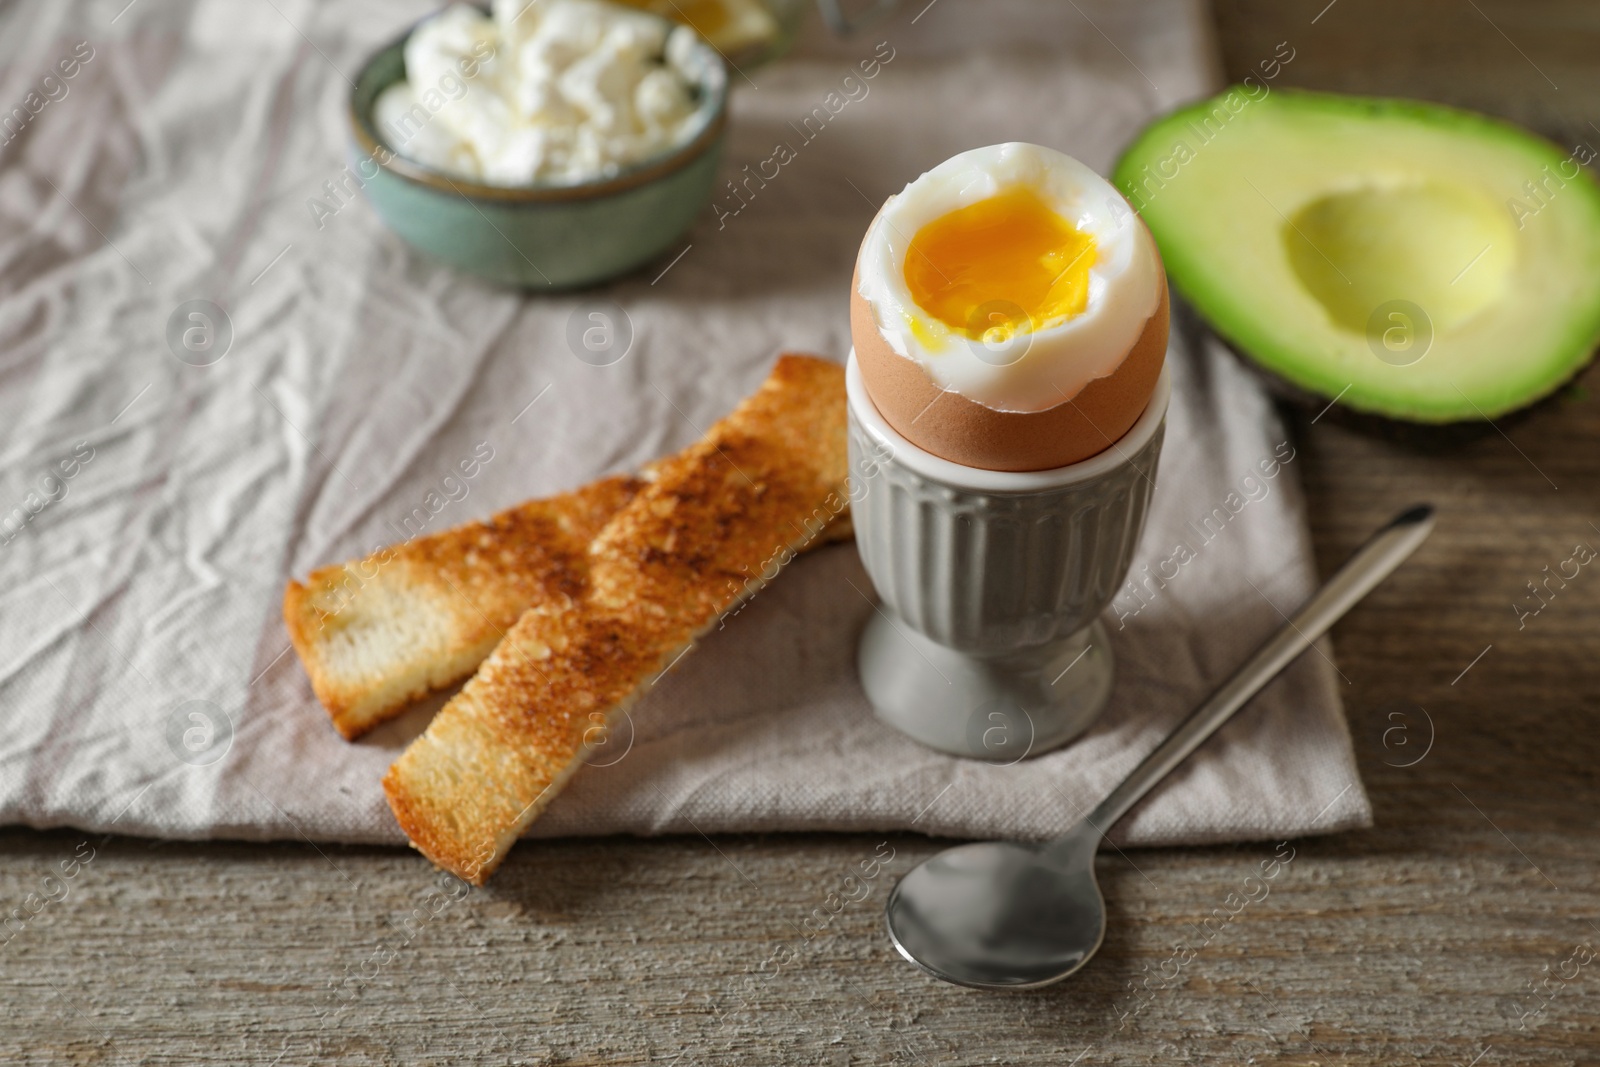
point(986, 642)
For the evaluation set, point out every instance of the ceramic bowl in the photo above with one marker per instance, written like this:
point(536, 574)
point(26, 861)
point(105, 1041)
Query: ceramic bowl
point(546, 236)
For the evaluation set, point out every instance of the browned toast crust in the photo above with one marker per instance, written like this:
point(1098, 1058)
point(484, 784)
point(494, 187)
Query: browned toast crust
point(717, 522)
point(377, 633)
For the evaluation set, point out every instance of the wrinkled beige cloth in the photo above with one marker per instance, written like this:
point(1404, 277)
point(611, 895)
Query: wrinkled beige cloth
point(179, 163)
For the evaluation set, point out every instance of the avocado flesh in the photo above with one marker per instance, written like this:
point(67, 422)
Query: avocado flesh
point(1388, 253)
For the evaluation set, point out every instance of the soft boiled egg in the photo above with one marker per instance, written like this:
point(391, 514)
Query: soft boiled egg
point(1009, 310)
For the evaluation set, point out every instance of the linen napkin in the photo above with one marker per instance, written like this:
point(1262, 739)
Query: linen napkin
point(155, 505)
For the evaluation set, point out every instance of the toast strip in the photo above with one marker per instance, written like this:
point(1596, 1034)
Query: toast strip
point(714, 525)
point(377, 633)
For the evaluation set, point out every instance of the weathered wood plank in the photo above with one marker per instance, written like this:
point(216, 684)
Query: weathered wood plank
point(1414, 942)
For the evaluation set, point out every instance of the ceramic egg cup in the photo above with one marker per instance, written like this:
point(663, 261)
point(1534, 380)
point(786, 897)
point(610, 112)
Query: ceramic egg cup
point(987, 641)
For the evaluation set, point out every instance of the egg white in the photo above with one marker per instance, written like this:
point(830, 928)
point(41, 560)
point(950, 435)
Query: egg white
point(1056, 361)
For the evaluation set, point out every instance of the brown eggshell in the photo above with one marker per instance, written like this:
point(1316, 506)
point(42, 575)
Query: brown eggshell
point(966, 432)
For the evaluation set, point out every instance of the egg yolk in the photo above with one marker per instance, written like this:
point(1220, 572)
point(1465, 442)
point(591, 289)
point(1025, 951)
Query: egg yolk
point(983, 268)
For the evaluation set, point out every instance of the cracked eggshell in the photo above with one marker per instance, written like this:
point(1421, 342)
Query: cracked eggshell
point(963, 431)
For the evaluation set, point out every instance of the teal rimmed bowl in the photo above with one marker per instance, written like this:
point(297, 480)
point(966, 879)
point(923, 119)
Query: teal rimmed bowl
point(549, 236)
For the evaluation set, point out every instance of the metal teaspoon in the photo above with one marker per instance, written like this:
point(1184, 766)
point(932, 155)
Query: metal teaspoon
point(1004, 915)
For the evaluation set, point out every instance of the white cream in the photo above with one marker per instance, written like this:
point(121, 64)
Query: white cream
point(1058, 360)
point(544, 91)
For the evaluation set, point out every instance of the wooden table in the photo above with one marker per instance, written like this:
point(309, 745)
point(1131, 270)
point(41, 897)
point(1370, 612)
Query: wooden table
point(1417, 941)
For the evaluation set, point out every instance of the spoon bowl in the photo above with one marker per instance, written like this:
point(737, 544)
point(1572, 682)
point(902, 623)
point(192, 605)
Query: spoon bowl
point(1000, 915)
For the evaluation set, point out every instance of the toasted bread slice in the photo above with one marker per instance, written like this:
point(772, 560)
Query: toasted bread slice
point(375, 634)
point(713, 526)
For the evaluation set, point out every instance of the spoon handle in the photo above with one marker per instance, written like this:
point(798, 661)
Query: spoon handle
point(1371, 564)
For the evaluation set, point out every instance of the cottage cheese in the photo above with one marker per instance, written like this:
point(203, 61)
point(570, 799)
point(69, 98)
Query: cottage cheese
point(546, 92)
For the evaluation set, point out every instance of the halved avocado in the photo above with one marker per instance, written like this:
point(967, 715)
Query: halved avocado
point(1413, 261)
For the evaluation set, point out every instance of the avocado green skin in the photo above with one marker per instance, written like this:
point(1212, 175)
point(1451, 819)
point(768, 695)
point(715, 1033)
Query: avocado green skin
point(533, 243)
point(1424, 438)
point(1197, 280)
